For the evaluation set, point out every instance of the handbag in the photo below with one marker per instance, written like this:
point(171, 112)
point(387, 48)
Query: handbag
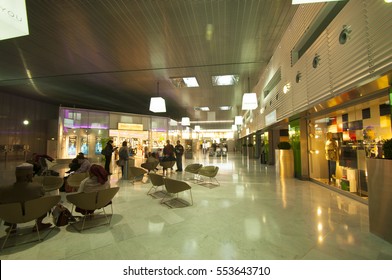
point(61, 215)
point(120, 162)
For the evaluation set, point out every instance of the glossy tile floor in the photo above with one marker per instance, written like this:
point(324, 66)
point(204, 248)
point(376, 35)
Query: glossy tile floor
point(253, 214)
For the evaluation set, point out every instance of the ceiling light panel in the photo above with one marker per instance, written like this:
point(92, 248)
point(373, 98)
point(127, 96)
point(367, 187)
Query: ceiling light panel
point(225, 108)
point(225, 80)
point(184, 82)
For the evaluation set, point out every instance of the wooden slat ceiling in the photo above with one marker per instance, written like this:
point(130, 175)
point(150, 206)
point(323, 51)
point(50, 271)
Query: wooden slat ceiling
point(110, 54)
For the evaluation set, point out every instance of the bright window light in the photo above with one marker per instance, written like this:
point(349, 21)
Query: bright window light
point(225, 108)
point(225, 80)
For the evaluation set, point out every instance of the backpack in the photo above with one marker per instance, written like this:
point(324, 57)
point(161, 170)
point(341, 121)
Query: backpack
point(105, 151)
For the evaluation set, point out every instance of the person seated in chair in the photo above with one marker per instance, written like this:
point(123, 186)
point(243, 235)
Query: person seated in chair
point(22, 190)
point(151, 158)
point(97, 180)
point(74, 165)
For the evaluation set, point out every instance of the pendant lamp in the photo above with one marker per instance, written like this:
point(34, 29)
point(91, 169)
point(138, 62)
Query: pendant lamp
point(185, 121)
point(249, 99)
point(238, 120)
point(157, 104)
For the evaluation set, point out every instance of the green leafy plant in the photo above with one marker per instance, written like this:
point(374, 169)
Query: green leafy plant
point(387, 148)
point(284, 145)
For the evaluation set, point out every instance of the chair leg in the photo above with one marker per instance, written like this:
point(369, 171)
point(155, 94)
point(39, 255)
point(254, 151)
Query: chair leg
point(6, 238)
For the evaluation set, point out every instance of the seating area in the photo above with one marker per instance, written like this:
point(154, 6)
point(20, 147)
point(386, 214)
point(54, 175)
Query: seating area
point(173, 188)
point(150, 166)
point(210, 173)
point(167, 165)
point(90, 202)
point(21, 213)
point(135, 173)
point(193, 168)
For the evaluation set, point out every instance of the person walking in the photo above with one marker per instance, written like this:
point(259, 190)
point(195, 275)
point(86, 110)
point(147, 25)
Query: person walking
point(179, 151)
point(107, 152)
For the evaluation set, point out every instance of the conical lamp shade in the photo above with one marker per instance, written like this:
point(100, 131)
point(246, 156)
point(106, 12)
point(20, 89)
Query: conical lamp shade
point(249, 101)
point(157, 105)
point(185, 121)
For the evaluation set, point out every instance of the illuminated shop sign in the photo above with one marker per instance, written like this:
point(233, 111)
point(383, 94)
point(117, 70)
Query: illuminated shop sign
point(129, 126)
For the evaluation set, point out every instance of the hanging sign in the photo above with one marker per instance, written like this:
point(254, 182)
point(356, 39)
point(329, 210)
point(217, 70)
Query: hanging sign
point(13, 19)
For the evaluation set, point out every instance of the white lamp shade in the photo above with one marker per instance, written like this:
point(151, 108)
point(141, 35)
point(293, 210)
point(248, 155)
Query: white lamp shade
point(185, 121)
point(197, 128)
point(157, 105)
point(233, 127)
point(249, 101)
point(238, 120)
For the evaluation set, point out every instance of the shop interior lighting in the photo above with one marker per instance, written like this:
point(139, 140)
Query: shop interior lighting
point(185, 121)
point(225, 80)
point(388, 1)
point(185, 82)
point(157, 104)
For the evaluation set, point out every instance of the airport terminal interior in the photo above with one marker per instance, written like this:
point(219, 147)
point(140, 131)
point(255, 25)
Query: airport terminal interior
point(252, 214)
point(297, 96)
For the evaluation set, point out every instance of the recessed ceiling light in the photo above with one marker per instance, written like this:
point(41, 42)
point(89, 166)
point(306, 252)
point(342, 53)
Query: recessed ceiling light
point(184, 82)
point(225, 80)
point(225, 108)
point(205, 108)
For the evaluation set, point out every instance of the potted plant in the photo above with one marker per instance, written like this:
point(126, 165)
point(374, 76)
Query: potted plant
point(387, 149)
point(379, 191)
point(284, 159)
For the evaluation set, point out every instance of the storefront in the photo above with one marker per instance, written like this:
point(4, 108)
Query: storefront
point(87, 131)
point(339, 142)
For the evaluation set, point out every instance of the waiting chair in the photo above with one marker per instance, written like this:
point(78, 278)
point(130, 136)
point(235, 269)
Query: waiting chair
point(50, 183)
point(167, 165)
point(74, 180)
point(174, 187)
point(93, 201)
point(135, 173)
point(24, 212)
point(210, 172)
point(156, 181)
point(193, 169)
point(150, 166)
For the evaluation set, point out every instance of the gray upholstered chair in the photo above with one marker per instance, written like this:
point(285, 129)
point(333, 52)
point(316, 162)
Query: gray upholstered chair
point(74, 180)
point(93, 201)
point(156, 181)
point(135, 173)
point(166, 165)
point(50, 183)
point(150, 166)
point(193, 168)
point(173, 188)
point(24, 212)
point(209, 172)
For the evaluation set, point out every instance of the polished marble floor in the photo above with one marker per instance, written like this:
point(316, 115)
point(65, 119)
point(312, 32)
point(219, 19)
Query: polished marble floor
point(253, 214)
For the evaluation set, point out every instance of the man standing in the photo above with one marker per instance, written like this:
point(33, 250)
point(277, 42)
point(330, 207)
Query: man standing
point(179, 150)
point(23, 190)
point(107, 152)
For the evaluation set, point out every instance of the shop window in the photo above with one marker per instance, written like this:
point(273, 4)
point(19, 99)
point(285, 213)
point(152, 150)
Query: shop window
point(366, 113)
point(385, 109)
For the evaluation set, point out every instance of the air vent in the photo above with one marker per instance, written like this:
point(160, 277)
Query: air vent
point(319, 24)
point(275, 80)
